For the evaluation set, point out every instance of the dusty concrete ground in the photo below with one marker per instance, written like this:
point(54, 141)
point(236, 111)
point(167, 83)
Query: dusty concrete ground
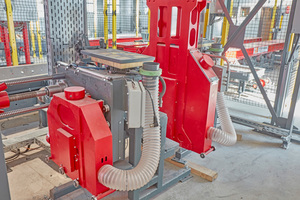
point(255, 168)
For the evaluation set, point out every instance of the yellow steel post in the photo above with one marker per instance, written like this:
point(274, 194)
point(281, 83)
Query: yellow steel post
point(291, 42)
point(149, 24)
point(38, 33)
point(273, 21)
point(11, 30)
point(137, 20)
point(114, 25)
point(105, 24)
point(281, 20)
point(206, 20)
point(225, 29)
point(32, 39)
point(95, 18)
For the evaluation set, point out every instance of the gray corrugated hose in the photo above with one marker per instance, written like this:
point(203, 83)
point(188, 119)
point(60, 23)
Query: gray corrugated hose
point(133, 179)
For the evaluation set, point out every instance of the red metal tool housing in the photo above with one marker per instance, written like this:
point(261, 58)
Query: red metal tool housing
point(80, 138)
point(192, 85)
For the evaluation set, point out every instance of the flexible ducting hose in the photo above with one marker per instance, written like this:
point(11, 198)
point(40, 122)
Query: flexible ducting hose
point(133, 179)
point(227, 136)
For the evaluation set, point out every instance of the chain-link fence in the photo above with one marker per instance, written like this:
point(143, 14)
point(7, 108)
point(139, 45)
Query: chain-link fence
point(126, 18)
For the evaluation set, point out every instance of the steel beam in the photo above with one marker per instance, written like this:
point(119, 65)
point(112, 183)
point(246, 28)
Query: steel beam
point(244, 24)
point(114, 24)
point(262, 90)
point(285, 68)
point(4, 187)
point(26, 43)
point(105, 23)
point(295, 97)
point(5, 40)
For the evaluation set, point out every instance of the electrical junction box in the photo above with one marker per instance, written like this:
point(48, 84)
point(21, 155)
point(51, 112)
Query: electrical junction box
point(136, 104)
point(296, 24)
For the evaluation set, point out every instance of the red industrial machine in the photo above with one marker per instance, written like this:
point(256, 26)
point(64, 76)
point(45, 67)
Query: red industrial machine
point(80, 138)
point(190, 100)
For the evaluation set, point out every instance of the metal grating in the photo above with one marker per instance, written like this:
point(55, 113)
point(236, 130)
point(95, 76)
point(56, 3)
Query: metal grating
point(64, 26)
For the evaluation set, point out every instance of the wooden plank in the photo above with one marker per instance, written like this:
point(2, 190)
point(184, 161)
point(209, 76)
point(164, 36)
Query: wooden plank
point(118, 56)
point(117, 65)
point(197, 170)
point(239, 137)
point(20, 120)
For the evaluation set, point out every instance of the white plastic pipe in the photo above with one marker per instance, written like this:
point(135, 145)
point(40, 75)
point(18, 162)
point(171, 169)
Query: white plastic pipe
point(128, 180)
point(227, 136)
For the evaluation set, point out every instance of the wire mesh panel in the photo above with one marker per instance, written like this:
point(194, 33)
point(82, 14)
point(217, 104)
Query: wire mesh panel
point(264, 42)
point(29, 26)
point(127, 21)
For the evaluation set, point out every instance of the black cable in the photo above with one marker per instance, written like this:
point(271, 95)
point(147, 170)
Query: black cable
point(155, 117)
point(163, 92)
point(18, 153)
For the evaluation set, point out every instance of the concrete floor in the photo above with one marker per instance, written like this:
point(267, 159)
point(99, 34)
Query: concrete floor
point(255, 168)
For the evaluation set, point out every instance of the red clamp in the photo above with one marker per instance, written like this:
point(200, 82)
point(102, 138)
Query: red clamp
point(4, 98)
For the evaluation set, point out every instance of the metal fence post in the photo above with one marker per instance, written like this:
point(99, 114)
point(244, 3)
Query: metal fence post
point(4, 187)
point(11, 30)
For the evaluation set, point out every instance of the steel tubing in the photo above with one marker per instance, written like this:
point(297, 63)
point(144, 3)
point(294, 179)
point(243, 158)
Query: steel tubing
point(23, 110)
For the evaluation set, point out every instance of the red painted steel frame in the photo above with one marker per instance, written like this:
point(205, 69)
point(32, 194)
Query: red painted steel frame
point(132, 39)
point(256, 49)
point(190, 100)
point(5, 40)
point(80, 140)
point(26, 43)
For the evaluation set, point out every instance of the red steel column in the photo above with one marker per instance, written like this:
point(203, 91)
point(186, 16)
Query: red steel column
point(26, 43)
point(5, 40)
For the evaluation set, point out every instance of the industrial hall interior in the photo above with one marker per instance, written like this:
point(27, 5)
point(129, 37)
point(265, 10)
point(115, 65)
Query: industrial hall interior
point(149, 99)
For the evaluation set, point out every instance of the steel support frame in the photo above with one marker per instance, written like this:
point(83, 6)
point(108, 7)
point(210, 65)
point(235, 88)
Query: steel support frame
point(4, 187)
point(235, 41)
point(5, 40)
point(26, 43)
point(285, 68)
point(237, 34)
